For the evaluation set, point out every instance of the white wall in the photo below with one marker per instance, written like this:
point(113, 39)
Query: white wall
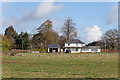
point(79, 50)
point(58, 49)
point(73, 51)
point(99, 50)
point(48, 49)
point(87, 50)
point(74, 45)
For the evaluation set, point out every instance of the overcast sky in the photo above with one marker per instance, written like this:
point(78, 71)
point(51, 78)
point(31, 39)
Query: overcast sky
point(92, 19)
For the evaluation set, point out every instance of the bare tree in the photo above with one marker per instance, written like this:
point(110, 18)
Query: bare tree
point(69, 29)
point(111, 39)
point(62, 40)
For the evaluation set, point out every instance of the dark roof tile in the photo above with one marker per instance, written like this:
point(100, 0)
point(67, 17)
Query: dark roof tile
point(53, 46)
point(92, 47)
point(74, 41)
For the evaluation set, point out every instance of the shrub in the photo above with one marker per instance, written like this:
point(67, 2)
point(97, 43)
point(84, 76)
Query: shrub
point(44, 50)
point(5, 48)
point(40, 50)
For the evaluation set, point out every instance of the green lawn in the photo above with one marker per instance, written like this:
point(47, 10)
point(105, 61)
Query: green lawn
point(84, 65)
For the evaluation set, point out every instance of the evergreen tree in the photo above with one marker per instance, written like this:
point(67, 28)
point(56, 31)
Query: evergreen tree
point(23, 41)
point(26, 41)
point(11, 34)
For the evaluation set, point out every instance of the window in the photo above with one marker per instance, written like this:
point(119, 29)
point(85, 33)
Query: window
point(76, 44)
point(73, 49)
point(94, 50)
point(76, 49)
point(81, 44)
point(68, 44)
point(85, 49)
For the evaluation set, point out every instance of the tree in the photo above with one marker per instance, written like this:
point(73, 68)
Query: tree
point(62, 40)
point(111, 39)
point(54, 37)
point(46, 35)
point(46, 26)
point(4, 43)
point(23, 41)
point(69, 29)
point(19, 41)
point(26, 41)
point(36, 41)
point(11, 34)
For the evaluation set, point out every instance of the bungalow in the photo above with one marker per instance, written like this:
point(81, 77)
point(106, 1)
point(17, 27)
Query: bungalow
point(91, 49)
point(53, 48)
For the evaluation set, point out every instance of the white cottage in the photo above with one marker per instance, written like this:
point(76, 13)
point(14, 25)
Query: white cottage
point(74, 45)
point(77, 46)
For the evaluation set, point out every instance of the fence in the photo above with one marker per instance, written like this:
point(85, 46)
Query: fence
point(106, 50)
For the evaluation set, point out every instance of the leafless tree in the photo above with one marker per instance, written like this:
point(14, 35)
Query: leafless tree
point(69, 29)
point(111, 38)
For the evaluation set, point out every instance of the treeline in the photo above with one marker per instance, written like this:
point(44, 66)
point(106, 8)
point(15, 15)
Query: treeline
point(17, 41)
point(46, 35)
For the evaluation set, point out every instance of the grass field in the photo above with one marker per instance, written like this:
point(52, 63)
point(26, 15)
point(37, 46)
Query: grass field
point(84, 65)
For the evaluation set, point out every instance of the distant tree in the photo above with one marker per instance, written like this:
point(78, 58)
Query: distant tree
point(62, 40)
point(111, 39)
point(44, 32)
point(69, 29)
point(46, 26)
point(11, 34)
point(54, 37)
point(4, 43)
point(35, 42)
point(26, 41)
point(23, 41)
point(46, 35)
point(19, 41)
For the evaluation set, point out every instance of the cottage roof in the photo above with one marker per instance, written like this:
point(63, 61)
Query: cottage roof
point(74, 41)
point(53, 46)
point(92, 47)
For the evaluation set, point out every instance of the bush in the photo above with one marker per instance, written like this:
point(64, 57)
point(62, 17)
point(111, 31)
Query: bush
point(5, 48)
point(44, 50)
point(40, 50)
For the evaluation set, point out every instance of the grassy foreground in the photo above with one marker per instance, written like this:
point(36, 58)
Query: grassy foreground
point(84, 65)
